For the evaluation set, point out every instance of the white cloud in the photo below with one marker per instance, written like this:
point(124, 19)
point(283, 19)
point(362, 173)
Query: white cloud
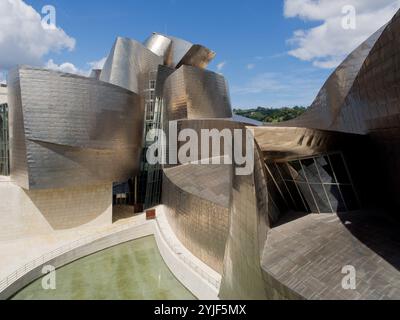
point(297, 87)
point(98, 64)
point(327, 44)
point(261, 83)
point(64, 67)
point(250, 66)
point(71, 68)
point(23, 40)
point(221, 65)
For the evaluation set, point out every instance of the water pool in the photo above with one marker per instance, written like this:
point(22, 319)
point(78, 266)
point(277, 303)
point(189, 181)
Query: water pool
point(131, 271)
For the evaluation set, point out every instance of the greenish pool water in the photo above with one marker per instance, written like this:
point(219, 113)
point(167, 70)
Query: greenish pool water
point(131, 271)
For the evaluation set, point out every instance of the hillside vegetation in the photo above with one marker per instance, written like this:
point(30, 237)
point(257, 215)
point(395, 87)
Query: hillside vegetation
point(270, 115)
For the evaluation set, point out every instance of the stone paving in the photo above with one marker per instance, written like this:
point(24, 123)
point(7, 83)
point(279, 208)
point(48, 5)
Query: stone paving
point(307, 256)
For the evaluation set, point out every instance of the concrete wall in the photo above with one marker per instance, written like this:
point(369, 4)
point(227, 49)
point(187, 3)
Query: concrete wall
point(3, 95)
point(30, 213)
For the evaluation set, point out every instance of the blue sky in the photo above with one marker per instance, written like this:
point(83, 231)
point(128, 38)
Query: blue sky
point(251, 39)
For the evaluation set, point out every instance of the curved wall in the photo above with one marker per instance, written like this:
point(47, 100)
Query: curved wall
point(158, 44)
point(201, 225)
point(69, 130)
point(193, 93)
point(129, 65)
point(178, 52)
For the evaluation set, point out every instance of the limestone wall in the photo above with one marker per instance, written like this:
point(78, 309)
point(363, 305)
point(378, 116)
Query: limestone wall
point(25, 213)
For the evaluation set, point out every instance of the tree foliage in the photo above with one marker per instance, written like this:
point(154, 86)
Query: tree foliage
point(271, 115)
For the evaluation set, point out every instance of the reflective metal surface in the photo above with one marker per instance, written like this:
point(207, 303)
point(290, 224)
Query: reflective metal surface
point(326, 108)
point(158, 44)
point(129, 64)
point(178, 52)
point(242, 276)
point(193, 93)
point(69, 130)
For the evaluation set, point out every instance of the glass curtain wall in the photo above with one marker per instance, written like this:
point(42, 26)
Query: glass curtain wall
point(4, 141)
point(320, 184)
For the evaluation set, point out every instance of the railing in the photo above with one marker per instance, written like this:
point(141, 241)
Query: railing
point(26, 268)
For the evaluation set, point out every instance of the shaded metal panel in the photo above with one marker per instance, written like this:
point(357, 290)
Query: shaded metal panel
point(197, 197)
point(178, 52)
point(193, 93)
point(242, 277)
point(95, 74)
point(70, 130)
point(197, 56)
point(159, 44)
point(18, 153)
point(179, 48)
point(129, 64)
point(326, 108)
point(201, 225)
point(374, 98)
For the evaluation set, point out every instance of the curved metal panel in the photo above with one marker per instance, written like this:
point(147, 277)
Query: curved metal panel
point(201, 224)
point(69, 130)
point(178, 52)
point(193, 93)
point(129, 65)
point(158, 44)
point(198, 56)
point(327, 106)
point(242, 277)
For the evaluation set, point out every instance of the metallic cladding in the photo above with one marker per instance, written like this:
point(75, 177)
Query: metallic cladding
point(69, 130)
point(177, 52)
point(193, 93)
point(200, 224)
point(159, 44)
point(129, 64)
point(327, 106)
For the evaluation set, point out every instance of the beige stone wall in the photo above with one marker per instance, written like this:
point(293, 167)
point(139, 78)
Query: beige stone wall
point(31, 213)
point(3, 95)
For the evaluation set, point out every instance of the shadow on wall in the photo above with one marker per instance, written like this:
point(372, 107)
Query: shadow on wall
point(71, 208)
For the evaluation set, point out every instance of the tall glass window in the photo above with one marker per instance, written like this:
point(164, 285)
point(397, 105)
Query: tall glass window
point(4, 141)
point(320, 184)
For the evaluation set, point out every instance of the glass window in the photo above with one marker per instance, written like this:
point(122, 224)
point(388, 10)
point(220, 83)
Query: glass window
point(311, 170)
point(297, 171)
point(308, 197)
point(298, 202)
point(339, 168)
point(283, 168)
point(320, 198)
point(152, 84)
point(274, 171)
point(335, 197)
point(349, 197)
point(325, 169)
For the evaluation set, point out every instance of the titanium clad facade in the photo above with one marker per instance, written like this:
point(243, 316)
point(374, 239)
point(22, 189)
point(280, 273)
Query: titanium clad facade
point(178, 52)
point(69, 130)
point(327, 106)
point(129, 65)
point(159, 45)
point(198, 56)
point(193, 93)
